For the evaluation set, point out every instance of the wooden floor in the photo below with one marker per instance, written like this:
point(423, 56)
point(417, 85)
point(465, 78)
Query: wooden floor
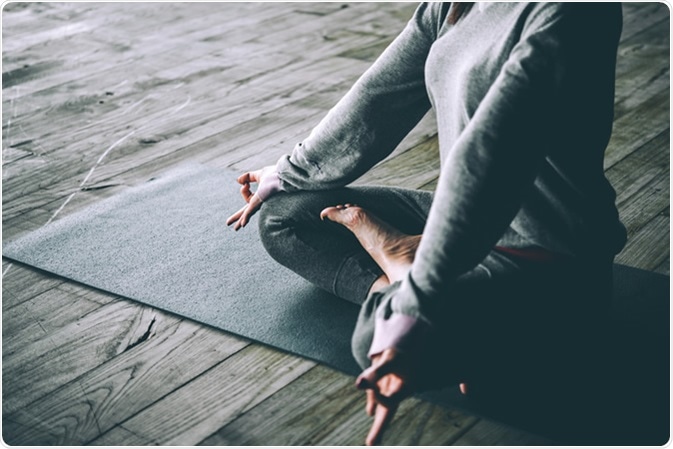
point(99, 97)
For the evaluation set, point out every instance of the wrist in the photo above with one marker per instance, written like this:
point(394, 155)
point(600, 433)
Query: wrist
point(402, 333)
point(269, 186)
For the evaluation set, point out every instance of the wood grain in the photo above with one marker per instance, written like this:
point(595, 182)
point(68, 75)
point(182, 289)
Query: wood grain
point(489, 433)
point(42, 315)
point(642, 181)
point(61, 356)
point(173, 352)
point(20, 284)
point(191, 413)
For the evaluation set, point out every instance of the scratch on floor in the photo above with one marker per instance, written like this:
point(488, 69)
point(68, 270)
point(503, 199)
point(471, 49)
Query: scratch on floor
point(113, 88)
point(135, 105)
point(183, 105)
point(59, 209)
point(102, 156)
point(12, 107)
point(6, 270)
point(105, 153)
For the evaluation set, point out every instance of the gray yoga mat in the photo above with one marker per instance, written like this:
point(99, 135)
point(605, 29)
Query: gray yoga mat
point(165, 243)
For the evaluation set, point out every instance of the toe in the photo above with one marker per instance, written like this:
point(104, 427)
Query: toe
point(329, 212)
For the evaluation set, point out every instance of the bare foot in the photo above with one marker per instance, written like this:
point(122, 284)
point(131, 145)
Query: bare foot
point(393, 250)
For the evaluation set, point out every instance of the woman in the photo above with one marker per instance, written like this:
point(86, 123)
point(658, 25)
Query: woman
point(512, 254)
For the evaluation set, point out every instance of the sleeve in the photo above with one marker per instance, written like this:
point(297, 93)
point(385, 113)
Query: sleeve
point(495, 159)
point(368, 123)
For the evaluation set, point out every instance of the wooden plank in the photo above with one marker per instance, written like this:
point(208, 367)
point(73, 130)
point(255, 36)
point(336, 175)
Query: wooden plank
point(130, 43)
point(647, 81)
point(648, 247)
point(643, 67)
point(413, 168)
point(176, 352)
point(44, 314)
point(489, 433)
point(26, 20)
point(411, 426)
point(294, 414)
point(393, 17)
point(424, 424)
point(166, 86)
point(664, 267)
point(10, 154)
point(9, 212)
point(191, 37)
point(183, 130)
point(368, 53)
point(430, 185)
point(323, 407)
point(195, 411)
point(638, 127)
point(191, 50)
point(319, 8)
point(61, 356)
point(119, 436)
point(19, 227)
point(419, 423)
point(639, 17)
point(21, 284)
point(642, 181)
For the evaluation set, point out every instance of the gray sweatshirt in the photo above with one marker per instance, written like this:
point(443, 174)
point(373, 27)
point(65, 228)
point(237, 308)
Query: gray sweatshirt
point(523, 94)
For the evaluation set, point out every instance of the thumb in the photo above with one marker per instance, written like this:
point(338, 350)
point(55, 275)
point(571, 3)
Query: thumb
point(380, 367)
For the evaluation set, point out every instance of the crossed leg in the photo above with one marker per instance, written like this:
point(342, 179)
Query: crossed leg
point(390, 248)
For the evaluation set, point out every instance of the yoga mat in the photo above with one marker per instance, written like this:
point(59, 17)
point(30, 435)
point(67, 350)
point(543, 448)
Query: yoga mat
point(165, 243)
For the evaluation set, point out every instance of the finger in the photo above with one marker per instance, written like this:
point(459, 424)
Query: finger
point(371, 402)
point(246, 192)
point(249, 177)
point(244, 179)
point(389, 392)
point(463, 388)
point(369, 377)
point(236, 216)
point(250, 210)
point(383, 416)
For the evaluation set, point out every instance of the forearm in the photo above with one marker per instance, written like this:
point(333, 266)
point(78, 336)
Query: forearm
point(371, 119)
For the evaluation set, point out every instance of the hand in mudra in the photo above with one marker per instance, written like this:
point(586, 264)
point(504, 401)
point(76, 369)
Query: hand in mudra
point(387, 382)
point(254, 202)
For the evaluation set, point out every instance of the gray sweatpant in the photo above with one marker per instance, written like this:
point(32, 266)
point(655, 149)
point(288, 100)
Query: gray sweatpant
point(506, 316)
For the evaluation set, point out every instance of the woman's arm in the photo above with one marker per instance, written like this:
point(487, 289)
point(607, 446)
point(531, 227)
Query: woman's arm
point(364, 127)
point(368, 123)
point(495, 161)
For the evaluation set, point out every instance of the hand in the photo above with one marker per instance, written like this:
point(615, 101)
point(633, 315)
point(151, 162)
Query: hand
point(242, 217)
point(387, 382)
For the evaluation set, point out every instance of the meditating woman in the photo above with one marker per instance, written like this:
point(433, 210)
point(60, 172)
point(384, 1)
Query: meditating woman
point(504, 270)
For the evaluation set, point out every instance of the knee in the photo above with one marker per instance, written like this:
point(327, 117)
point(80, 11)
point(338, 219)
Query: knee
point(274, 218)
point(361, 341)
point(363, 334)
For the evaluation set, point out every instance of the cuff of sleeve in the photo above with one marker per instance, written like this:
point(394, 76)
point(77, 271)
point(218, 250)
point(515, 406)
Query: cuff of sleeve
point(269, 186)
point(401, 332)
